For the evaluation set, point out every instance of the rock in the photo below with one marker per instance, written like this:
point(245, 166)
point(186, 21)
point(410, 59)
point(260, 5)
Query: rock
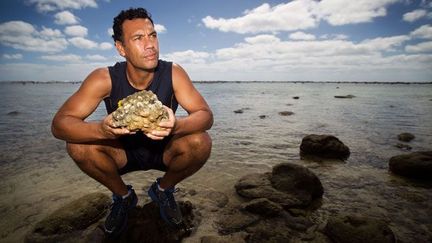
point(140, 111)
point(69, 220)
point(323, 146)
point(417, 165)
point(13, 113)
point(289, 185)
point(263, 207)
point(286, 113)
point(297, 180)
point(146, 225)
point(403, 146)
point(270, 230)
point(233, 238)
point(262, 116)
point(405, 137)
point(235, 220)
point(238, 111)
point(296, 97)
point(358, 229)
point(344, 96)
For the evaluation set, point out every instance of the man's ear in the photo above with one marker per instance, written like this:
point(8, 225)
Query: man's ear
point(120, 48)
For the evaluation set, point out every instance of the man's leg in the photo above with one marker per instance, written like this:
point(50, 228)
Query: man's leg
point(184, 156)
point(101, 162)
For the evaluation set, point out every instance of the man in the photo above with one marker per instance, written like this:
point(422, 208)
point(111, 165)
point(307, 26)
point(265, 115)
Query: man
point(105, 152)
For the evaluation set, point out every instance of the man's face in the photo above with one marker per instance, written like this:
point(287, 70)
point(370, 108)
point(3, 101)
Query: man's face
point(140, 45)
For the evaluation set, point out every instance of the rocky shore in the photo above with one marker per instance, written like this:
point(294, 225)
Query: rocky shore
point(297, 201)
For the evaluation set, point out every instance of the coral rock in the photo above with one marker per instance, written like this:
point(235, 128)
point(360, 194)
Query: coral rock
point(140, 111)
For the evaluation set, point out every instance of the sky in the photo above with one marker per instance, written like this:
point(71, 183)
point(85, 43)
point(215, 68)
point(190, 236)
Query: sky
point(226, 40)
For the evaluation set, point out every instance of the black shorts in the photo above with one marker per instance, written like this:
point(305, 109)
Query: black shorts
point(143, 153)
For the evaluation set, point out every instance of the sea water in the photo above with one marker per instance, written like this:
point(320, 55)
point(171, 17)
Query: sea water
point(37, 175)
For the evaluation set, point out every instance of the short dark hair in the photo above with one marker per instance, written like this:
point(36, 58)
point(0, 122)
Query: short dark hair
point(132, 13)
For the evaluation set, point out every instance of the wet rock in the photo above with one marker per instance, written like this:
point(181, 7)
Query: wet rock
point(405, 137)
point(70, 220)
point(146, 225)
point(13, 113)
point(358, 229)
point(344, 96)
point(403, 146)
point(286, 113)
point(263, 207)
point(233, 238)
point(235, 220)
point(140, 111)
point(417, 165)
point(262, 116)
point(296, 97)
point(323, 146)
point(289, 185)
point(238, 111)
point(270, 230)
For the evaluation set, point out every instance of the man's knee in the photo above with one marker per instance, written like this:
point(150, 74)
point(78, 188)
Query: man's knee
point(78, 152)
point(201, 144)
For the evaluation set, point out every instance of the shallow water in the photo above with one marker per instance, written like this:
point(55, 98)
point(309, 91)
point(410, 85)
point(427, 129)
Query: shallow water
point(38, 176)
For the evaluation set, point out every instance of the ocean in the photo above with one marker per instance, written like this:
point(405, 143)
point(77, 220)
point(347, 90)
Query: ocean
point(37, 175)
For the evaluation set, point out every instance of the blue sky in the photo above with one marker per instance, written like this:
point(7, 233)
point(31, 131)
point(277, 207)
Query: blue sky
point(300, 40)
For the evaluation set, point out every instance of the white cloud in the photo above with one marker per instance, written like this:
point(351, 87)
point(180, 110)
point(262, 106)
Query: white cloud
point(52, 5)
point(110, 32)
point(76, 30)
point(334, 36)
point(385, 43)
point(340, 12)
point(23, 36)
point(13, 56)
point(105, 46)
point(188, 56)
point(421, 47)
point(262, 39)
point(65, 17)
point(160, 29)
point(414, 15)
point(295, 15)
point(84, 43)
point(424, 31)
point(301, 36)
point(62, 58)
point(96, 58)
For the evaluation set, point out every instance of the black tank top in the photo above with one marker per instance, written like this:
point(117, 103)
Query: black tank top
point(161, 85)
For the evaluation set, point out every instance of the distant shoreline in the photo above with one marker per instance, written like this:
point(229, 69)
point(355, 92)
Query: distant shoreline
point(216, 82)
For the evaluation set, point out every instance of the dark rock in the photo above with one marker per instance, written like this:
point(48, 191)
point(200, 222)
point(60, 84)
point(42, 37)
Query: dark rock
point(344, 96)
point(219, 198)
point(403, 146)
point(67, 221)
point(417, 165)
point(290, 185)
point(286, 113)
point(262, 116)
point(297, 180)
point(235, 220)
point(146, 225)
point(263, 207)
point(13, 113)
point(238, 111)
point(358, 229)
point(233, 238)
point(405, 137)
point(323, 146)
point(296, 97)
point(270, 230)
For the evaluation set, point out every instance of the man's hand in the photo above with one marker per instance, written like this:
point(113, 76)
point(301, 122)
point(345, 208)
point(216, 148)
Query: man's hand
point(110, 131)
point(167, 125)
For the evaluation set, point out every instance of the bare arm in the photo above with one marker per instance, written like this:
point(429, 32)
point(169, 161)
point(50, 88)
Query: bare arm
point(200, 116)
point(69, 125)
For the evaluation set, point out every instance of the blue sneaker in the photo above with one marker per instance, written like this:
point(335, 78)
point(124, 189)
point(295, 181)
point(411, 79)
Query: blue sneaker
point(116, 221)
point(169, 210)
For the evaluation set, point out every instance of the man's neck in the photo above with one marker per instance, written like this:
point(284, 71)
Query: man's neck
point(138, 78)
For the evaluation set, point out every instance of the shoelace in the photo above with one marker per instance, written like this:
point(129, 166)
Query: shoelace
point(169, 193)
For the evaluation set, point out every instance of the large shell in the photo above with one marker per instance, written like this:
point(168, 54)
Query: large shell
point(140, 111)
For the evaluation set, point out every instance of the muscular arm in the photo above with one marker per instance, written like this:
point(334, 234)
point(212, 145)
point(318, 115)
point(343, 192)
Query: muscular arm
point(200, 116)
point(69, 125)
